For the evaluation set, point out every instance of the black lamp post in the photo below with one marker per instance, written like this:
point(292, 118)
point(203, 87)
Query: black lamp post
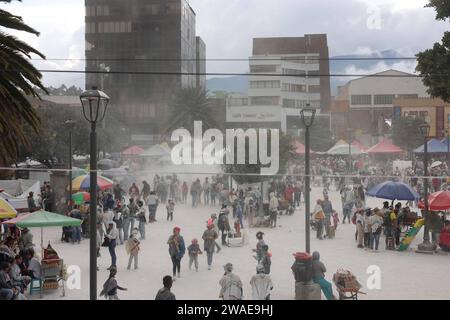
point(70, 124)
point(426, 246)
point(307, 116)
point(94, 104)
point(447, 135)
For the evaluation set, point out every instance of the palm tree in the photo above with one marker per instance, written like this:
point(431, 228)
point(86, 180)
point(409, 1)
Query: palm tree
point(18, 77)
point(190, 104)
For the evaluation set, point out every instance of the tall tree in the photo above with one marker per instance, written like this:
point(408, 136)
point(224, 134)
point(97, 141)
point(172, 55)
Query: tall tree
point(434, 64)
point(17, 82)
point(190, 104)
point(405, 132)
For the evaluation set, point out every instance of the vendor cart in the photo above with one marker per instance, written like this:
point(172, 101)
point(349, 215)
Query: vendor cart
point(347, 285)
point(53, 275)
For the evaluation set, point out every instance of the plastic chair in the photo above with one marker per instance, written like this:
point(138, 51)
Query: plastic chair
point(34, 288)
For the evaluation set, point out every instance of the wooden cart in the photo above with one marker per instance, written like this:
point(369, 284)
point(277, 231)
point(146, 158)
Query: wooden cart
point(53, 275)
point(347, 285)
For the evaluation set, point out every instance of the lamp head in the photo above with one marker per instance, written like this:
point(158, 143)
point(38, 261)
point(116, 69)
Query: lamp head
point(308, 115)
point(94, 103)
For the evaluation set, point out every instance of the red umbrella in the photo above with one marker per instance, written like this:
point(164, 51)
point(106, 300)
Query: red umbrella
point(438, 201)
point(133, 151)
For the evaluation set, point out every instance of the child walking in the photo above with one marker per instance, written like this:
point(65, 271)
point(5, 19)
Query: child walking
point(170, 209)
point(133, 248)
point(110, 286)
point(194, 251)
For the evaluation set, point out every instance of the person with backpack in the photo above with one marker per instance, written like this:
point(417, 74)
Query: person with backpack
point(176, 250)
point(110, 286)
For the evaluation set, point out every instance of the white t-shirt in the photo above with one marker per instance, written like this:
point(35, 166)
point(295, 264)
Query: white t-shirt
point(35, 266)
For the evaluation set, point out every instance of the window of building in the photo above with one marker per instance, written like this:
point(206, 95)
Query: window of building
point(263, 68)
point(264, 101)
point(293, 72)
point(237, 102)
point(314, 73)
point(90, 27)
point(361, 99)
point(289, 87)
point(383, 98)
point(264, 84)
point(292, 103)
point(409, 96)
point(314, 89)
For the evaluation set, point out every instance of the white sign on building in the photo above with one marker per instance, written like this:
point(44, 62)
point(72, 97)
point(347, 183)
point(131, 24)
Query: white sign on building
point(254, 114)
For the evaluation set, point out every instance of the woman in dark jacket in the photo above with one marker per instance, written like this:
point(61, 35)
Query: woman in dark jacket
point(176, 250)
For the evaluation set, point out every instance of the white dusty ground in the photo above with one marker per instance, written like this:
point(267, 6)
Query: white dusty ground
point(406, 275)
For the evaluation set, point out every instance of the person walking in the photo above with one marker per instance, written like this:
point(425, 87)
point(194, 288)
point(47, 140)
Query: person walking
point(176, 250)
point(152, 206)
point(164, 293)
point(209, 237)
point(194, 251)
point(273, 209)
point(224, 223)
point(319, 217)
point(119, 223)
point(318, 270)
point(359, 220)
point(261, 284)
point(216, 228)
point(184, 192)
point(170, 207)
point(140, 215)
point(206, 191)
point(266, 260)
point(110, 286)
point(112, 234)
point(327, 207)
point(133, 248)
point(367, 229)
point(133, 208)
point(259, 246)
point(125, 220)
point(251, 212)
point(230, 285)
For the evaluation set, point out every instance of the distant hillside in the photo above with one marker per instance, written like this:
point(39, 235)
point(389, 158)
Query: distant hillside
point(240, 83)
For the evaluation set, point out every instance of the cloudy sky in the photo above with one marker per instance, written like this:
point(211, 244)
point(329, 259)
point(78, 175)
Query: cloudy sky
point(228, 26)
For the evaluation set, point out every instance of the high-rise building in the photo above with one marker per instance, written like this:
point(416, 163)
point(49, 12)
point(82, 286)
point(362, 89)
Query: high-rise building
point(132, 38)
point(287, 74)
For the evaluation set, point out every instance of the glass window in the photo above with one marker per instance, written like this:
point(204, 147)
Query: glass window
point(123, 27)
point(293, 71)
point(101, 26)
point(314, 89)
point(99, 11)
point(361, 99)
point(289, 87)
point(383, 98)
point(105, 10)
point(263, 68)
point(264, 101)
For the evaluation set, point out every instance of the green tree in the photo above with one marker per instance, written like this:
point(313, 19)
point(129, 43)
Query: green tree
point(434, 64)
point(239, 171)
point(17, 82)
point(405, 132)
point(190, 104)
point(320, 134)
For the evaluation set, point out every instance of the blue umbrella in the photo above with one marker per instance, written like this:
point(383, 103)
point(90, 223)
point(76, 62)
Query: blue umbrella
point(393, 191)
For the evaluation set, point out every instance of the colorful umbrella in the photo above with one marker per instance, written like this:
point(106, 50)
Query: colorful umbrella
point(12, 222)
point(84, 183)
point(438, 201)
point(6, 210)
point(81, 197)
point(393, 191)
point(133, 151)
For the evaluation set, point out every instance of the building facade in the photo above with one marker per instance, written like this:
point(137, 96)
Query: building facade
point(127, 40)
point(364, 104)
point(435, 112)
point(286, 76)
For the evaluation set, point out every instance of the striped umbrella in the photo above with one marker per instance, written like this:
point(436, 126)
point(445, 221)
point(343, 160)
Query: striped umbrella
point(81, 197)
point(84, 183)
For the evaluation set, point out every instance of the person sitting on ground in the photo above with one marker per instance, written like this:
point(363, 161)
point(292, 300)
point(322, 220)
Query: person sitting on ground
point(164, 293)
point(318, 270)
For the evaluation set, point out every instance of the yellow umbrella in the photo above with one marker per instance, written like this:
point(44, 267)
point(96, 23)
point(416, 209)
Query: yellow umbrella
point(6, 210)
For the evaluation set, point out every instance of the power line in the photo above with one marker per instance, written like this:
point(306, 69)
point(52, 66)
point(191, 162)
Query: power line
point(165, 73)
point(228, 59)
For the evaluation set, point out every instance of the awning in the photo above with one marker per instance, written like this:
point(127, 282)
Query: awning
point(384, 147)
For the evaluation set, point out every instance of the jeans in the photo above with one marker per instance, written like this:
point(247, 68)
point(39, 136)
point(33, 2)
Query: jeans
point(319, 224)
point(132, 220)
point(367, 240)
point(224, 237)
point(170, 215)
point(126, 228)
point(76, 234)
point(133, 256)
point(326, 287)
point(374, 240)
point(142, 229)
point(194, 200)
point(152, 212)
point(206, 197)
point(213, 199)
point(112, 251)
point(193, 259)
point(209, 257)
point(175, 264)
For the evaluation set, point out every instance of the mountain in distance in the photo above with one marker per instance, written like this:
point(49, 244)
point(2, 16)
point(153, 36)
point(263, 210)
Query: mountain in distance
point(240, 83)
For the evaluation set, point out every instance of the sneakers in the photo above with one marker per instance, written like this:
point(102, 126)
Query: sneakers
point(218, 250)
point(360, 246)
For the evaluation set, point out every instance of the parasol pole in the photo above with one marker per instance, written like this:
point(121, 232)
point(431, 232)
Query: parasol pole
point(42, 243)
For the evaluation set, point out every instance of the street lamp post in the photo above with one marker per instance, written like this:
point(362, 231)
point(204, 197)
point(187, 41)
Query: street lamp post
point(94, 104)
point(307, 116)
point(350, 131)
point(447, 134)
point(426, 246)
point(70, 124)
